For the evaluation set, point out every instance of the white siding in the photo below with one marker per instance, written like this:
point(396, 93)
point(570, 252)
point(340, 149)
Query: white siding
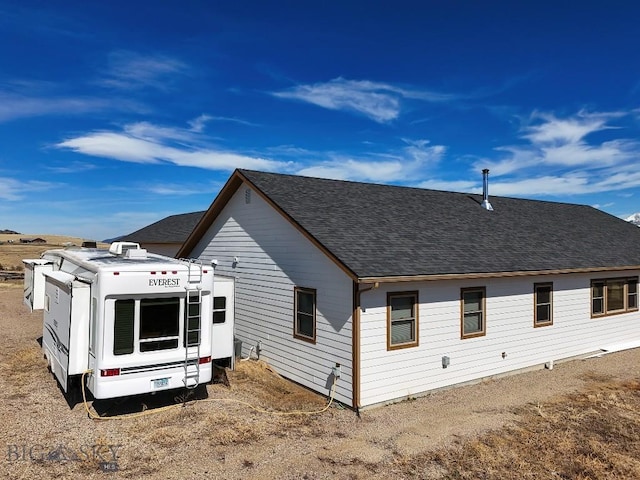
point(272, 258)
point(388, 375)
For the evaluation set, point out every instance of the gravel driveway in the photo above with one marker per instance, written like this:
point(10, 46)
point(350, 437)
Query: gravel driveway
point(44, 438)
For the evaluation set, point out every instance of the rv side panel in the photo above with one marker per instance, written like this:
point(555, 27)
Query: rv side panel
point(223, 315)
point(57, 324)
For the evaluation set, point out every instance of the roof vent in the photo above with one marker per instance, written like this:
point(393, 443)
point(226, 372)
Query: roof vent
point(485, 190)
point(119, 248)
point(135, 253)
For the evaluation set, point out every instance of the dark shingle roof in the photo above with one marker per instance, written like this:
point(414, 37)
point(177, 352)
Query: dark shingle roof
point(383, 230)
point(172, 229)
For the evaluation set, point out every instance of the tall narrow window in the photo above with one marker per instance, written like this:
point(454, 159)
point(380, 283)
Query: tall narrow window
point(614, 295)
point(305, 314)
point(473, 321)
point(543, 300)
point(402, 320)
point(123, 325)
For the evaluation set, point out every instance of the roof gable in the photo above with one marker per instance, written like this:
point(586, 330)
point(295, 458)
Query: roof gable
point(389, 231)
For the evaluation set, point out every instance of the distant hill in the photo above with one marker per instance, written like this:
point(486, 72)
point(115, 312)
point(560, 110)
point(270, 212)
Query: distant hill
point(9, 232)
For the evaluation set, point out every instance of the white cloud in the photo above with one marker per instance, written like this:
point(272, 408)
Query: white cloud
point(379, 101)
point(567, 130)
point(147, 143)
point(130, 70)
point(555, 144)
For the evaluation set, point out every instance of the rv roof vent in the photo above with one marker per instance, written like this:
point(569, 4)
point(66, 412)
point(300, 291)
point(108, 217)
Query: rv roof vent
point(135, 253)
point(118, 248)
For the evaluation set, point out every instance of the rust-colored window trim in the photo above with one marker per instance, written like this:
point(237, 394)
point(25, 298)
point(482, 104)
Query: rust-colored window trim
point(626, 294)
point(483, 311)
point(546, 323)
point(415, 342)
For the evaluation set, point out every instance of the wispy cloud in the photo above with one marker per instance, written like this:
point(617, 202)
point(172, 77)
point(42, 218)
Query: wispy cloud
point(144, 142)
point(14, 106)
point(71, 167)
point(130, 70)
point(399, 166)
point(181, 189)
point(14, 190)
point(197, 124)
point(381, 102)
point(563, 142)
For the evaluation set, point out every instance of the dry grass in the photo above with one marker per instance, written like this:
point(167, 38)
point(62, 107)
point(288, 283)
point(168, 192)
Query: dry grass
point(11, 254)
point(19, 367)
point(594, 434)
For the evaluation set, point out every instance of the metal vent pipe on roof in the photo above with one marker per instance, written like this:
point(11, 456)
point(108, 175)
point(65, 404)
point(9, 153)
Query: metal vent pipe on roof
point(485, 190)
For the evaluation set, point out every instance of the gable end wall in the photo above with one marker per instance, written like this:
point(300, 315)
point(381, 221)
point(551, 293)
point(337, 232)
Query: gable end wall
point(272, 258)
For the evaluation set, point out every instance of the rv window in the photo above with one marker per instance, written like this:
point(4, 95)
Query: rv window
point(219, 309)
point(159, 323)
point(123, 327)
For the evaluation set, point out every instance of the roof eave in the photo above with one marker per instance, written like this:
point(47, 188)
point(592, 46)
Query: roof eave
point(480, 275)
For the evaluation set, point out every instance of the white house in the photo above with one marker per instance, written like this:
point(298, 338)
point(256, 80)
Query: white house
point(409, 290)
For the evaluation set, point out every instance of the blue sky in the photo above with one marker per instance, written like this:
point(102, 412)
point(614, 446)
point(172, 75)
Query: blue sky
point(116, 114)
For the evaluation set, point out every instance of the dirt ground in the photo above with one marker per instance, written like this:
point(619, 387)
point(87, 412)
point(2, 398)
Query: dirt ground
point(219, 437)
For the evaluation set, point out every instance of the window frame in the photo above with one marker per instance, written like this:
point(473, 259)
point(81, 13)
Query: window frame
point(296, 332)
point(536, 304)
point(605, 295)
point(220, 310)
point(416, 320)
point(169, 339)
point(483, 311)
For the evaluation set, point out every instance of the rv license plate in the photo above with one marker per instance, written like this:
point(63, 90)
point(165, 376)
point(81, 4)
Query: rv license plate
point(160, 383)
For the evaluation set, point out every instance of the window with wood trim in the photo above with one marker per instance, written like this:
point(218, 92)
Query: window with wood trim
point(304, 326)
point(473, 315)
point(543, 304)
point(402, 320)
point(614, 295)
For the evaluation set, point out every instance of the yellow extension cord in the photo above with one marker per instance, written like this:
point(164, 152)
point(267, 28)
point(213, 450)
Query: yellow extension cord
point(230, 400)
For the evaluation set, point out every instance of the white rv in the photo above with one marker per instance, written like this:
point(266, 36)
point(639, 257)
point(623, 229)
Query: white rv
point(139, 322)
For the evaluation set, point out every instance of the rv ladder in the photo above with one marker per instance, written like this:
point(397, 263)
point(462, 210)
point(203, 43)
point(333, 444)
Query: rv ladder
point(192, 337)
